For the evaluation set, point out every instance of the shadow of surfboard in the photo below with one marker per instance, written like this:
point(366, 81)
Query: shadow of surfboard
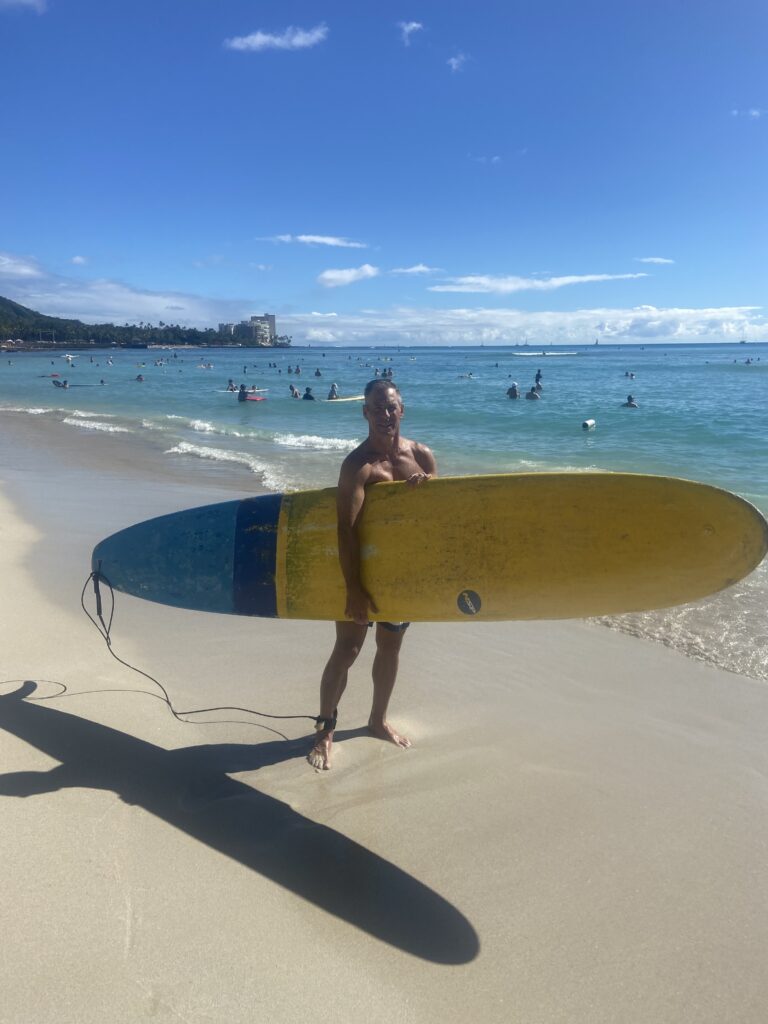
point(190, 790)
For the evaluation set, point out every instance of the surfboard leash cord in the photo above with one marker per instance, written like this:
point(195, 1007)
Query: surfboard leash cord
point(105, 630)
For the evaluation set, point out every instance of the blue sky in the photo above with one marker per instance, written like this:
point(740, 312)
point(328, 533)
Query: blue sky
point(411, 172)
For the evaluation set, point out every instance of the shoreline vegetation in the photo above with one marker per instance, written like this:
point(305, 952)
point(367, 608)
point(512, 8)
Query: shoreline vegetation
point(25, 330)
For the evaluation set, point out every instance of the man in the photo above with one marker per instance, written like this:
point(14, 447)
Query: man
point(630, 403)
point(384, 455)
point(308, 396)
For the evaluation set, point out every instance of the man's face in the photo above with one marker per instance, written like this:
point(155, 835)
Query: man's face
point(383, 410)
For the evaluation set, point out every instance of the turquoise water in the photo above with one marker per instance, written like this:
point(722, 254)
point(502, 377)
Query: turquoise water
point(703, 415)
point(700, 415)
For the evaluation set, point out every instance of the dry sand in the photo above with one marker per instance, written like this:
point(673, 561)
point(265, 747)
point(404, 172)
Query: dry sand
point(578, 834)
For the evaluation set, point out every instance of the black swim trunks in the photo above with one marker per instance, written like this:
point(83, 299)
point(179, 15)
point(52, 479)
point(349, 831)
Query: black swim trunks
point(393, 627)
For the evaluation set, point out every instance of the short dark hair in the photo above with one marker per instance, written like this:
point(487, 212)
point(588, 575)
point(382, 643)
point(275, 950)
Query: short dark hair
point(380, 382)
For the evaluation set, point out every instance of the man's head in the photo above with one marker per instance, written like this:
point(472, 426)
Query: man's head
point(383, 408)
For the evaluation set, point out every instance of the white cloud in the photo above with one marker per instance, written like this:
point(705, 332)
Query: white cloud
point(105, 301)
point(79, 261)
point(418, 268)
point(318, 334)
point(35, 5)
point(339, 278)
point(753, 113)
point(426, 326)
point(457, 63)
point(18, 267)
point(506, 285)
point(323, 314)
point(485, 159)
point(290, 39)
point(653, 259)
point(334, 240)
point(407, 28)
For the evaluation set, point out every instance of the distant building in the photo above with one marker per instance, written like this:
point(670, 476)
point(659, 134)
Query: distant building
point(259, 330)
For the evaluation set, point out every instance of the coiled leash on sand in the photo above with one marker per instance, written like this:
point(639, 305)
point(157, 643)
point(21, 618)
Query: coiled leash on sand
point(105, 629)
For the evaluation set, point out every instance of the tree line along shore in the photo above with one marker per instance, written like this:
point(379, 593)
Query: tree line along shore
point(24, 330)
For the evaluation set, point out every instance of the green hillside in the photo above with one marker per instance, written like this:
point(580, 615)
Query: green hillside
point(18, 323)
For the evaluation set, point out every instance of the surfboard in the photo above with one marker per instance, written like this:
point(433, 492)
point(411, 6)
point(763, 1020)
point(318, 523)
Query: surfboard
point(351, 398)
point(482, 548)
point(256, 398)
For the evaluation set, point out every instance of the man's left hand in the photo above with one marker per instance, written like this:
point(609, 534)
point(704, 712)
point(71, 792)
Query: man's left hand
point(418, 478)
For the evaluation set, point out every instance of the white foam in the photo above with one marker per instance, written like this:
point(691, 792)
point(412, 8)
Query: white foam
point(269, 474)
point(108, 428)
point(336, 444)
point(29, 412)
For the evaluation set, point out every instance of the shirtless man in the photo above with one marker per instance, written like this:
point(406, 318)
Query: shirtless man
point(384, 455)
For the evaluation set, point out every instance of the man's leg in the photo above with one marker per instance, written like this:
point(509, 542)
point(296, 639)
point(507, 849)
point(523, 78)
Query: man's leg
point(389, 640)
point(349, 640)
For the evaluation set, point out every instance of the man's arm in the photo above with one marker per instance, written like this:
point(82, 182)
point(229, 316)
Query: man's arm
point(350, 498)
point(427, 465)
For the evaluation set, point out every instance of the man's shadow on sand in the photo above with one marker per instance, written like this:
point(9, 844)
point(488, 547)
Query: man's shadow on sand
point(191, 790)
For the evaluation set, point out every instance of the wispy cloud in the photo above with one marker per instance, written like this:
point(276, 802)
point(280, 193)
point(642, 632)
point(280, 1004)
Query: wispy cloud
point(33, 5)
point(418, 268)
point(653, 259)
point(457, 63)
point(18, 267)
point(290, 39)
point(508, 284)
point(484, 159)
point(333, 240)
point(260, 266)
point(79, 261)
point(407, 28)
point(752, 113)
point(214, 260)
point(339, 278)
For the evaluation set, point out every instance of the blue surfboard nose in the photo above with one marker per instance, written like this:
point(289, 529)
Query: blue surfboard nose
point(183, 559)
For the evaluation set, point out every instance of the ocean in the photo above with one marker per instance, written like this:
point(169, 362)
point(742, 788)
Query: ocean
point(702, 414)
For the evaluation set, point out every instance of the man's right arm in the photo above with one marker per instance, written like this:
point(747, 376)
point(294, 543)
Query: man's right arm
point(350, 498)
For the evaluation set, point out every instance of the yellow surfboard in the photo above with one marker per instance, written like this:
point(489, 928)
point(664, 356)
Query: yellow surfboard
point(527, 546)
point(519, 546)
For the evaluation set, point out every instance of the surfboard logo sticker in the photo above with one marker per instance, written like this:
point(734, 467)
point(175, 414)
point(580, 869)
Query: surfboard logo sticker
point(469, 602)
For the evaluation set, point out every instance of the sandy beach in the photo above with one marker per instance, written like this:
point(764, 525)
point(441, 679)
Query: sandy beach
point(578, 834)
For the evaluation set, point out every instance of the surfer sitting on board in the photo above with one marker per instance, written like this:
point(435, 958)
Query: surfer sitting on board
point(383, 456)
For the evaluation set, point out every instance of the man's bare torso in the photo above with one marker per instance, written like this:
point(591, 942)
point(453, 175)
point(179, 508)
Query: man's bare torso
point(375, 467)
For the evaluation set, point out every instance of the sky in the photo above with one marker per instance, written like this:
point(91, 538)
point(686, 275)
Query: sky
point(420, 172)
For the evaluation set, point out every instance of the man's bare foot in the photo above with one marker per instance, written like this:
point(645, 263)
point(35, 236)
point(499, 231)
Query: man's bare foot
point(320, 755)
point(384, 731)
